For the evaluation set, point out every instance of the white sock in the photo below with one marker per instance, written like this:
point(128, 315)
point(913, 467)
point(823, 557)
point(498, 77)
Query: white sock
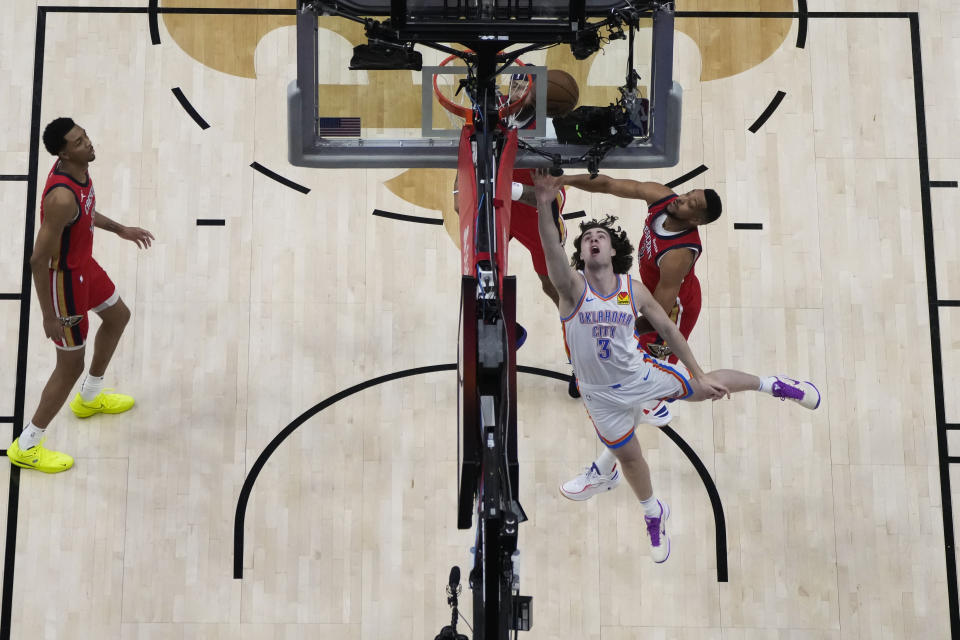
point(766, 384)
point(651, 507)
point(606, 462)
point(91, 387)
point(31, 436)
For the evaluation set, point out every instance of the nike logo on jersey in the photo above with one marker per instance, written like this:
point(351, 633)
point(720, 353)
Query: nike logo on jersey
point(588, 300)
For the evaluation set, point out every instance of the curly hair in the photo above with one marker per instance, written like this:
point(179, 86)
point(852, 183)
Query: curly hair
point(623, 259)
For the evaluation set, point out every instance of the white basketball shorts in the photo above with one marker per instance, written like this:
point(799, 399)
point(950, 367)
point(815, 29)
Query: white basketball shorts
point(614, 409)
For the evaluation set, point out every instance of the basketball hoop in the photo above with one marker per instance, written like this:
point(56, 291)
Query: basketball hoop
point(458, 104)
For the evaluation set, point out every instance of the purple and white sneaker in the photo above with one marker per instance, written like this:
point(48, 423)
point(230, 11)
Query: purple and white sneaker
point(803, 393)
point(657, 530)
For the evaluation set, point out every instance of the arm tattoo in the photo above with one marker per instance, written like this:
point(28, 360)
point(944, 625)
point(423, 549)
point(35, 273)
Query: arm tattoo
point(529, 196)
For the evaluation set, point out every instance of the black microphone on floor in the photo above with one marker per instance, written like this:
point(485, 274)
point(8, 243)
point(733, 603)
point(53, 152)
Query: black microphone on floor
point(453, 590)
point(454, 584)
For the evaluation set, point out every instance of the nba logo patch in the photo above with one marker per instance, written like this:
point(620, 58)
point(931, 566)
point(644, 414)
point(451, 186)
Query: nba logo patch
point(623, 298)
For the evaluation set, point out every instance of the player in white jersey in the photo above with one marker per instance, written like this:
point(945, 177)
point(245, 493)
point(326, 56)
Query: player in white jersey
point(599, 307)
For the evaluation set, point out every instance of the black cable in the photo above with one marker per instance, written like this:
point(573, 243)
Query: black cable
point(465, 620)
point(511, 56)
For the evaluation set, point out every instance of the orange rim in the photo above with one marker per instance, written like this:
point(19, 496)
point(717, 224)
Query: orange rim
point(467, 112)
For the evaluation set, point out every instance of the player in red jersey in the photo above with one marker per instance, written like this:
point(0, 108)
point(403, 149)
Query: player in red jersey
point(523, 226)
point(523, 210)
point(69, 284)
point(667, 255)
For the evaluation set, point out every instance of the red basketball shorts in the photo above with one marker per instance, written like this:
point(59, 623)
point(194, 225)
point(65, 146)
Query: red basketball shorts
point(76, 292)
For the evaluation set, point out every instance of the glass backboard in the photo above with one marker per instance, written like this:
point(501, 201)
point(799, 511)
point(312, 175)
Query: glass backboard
point(340, 118)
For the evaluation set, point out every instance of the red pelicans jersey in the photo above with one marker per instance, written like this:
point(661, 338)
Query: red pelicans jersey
point(525, 176)
point(76, 242)
point(656, 242)
point(524, 225)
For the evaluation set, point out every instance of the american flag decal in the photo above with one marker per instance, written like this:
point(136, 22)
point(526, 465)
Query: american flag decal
point(342, 127)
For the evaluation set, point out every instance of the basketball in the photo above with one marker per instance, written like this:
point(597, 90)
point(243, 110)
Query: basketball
point(562, 93)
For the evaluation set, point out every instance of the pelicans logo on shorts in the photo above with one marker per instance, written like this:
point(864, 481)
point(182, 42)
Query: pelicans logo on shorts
point(623, 298)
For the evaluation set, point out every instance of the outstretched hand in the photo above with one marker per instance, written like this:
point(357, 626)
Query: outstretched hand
point(141, 237)
point(712, 386)
point(545, 185)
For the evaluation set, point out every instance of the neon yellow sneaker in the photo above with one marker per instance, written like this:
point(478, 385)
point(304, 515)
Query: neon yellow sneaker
point(103, 403)
point(39, 458)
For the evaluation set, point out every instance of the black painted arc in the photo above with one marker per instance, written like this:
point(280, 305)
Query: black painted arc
point(247, 488)
point(182, 99)
point(936, 355)
point(720, 521)
point(285, 433)
point(944, 184)
point(405, 218)
point(774, 103)
point(13, 494)
point(546, 373)
point(152, 19)
point(690, 175)
point(748, 225)
point(802, 24)
point(279, 178)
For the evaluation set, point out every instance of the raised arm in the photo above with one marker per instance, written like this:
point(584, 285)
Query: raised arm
point(525, 193)
point(101, 221)
point(652, 310)
point(620, 187)
point(141, 237)
point(674, 267)
point(567, 282)
point(520, 193)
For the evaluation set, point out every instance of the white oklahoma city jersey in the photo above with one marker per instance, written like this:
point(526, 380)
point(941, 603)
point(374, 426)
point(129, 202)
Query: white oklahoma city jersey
point(600, 335)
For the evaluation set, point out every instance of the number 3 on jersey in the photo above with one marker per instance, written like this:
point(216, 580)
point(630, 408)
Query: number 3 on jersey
point(603, 348)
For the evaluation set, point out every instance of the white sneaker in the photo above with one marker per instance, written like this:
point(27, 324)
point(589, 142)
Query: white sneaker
point(805, 394)
point(657, 530)
point(656, 412)
point(590, 482)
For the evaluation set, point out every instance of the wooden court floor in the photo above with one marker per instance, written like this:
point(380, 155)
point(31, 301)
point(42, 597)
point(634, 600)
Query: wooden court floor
point(834, 520)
